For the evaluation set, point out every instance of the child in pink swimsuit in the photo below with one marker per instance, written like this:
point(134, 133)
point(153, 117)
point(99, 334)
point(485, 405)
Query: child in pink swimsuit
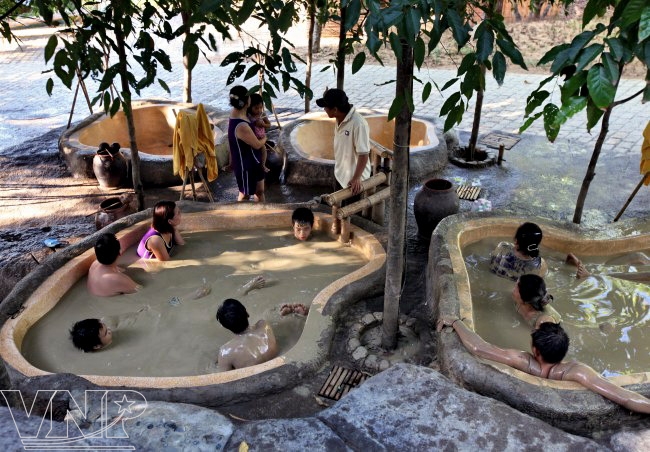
point(259, 123)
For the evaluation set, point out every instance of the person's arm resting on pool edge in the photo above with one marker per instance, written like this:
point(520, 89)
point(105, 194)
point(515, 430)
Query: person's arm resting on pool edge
point(224, 361)
point(477, 346)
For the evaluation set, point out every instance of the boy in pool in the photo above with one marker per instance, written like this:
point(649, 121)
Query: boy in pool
point(302, 220)
point(91, 335)
point(251, 344)
point(550, 344)
point(105, 278)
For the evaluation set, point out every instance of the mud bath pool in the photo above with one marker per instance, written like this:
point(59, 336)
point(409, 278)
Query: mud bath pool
point(566, 405)
point(200, 387)
point(606, 317)
point(170, 339)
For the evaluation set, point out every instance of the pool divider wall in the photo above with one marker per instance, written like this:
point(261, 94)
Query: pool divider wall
point(215, 389)
point(566, 405)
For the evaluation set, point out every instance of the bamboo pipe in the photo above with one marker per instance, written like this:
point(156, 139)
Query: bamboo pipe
point(341, 195)
point(371, 200)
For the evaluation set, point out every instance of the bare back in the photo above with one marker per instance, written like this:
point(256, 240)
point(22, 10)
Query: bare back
point(108, 280)
point(255, 346)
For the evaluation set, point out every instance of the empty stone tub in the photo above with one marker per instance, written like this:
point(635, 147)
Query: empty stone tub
point(154, 128)
point(308, 144)
point(566, 405)
point(207, 388)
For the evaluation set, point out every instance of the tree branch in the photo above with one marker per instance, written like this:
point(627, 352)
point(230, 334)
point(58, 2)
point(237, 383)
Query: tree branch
point(619, 102)
point(12, 9)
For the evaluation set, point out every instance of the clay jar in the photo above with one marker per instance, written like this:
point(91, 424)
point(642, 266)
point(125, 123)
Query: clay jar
point(436, 200)
point(109, 166)
point(111, 209)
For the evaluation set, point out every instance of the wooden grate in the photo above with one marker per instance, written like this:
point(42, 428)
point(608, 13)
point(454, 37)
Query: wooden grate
point(468, 192)
point(494, 139)
point(340, 381)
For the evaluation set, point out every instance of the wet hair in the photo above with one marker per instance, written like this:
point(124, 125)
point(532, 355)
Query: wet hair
point(163, 211)
point(107, 248)
point(528, 237)
point(238, 97)
point(256, 99)
point(233, 315)
point(551, 341)
point(532, 289)
point(85, 334)
point(302, 215)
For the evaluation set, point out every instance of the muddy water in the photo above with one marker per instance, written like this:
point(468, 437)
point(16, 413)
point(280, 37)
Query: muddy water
point(172, 338)
point(607, 318)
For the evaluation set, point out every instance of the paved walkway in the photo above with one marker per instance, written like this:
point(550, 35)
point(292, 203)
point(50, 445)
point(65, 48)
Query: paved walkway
point(26, 111)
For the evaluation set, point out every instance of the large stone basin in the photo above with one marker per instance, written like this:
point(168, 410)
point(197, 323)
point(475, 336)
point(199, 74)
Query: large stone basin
point(566, 405)
point(41, 291)
point(308, 143)
point(154, 126)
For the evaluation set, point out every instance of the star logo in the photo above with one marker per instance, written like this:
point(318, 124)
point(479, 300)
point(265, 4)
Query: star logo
point(124, 404)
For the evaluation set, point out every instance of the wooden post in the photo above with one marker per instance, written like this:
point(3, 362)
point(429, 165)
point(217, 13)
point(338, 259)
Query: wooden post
point(500, 158)
point(629, 200)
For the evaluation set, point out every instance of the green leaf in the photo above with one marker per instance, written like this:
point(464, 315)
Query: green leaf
point(578, 42)
point(592, 9)
point(468, 61)
point(632, 13)
point(352, 12)
point(426, 91)
point(449, 103)
point(412, 22)
point(115, 107)
point(570, 108)
point(593, 115)
point(418, 52)
point(499, 67)
point(358, 61)
point(529, 121)
point(587, 55)
point(552, 54)
point(550, 114)
point(396, 45)
point(164, 85)
point(107, 101)
point(572, 86)
point(484, 37)
point(395, 107)
point(459, 32)
point(252, 71)
point(644, 24)
point(50, 47)
point(289, 65)
point(193, 56)
point(285, 19)
point(235, 73)
point(535, 100)
point(49, 85)
point(472, 81)
point(449, 83)
point(511, 51)
point(611, 66)
point(454, 117)
point(617, 48)
point(601, 89)
point(561, 60)
point(231, 58)
point(247, 8)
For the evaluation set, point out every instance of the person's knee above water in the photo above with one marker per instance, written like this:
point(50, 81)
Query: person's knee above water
point(252, 344)
point(91, 335)
point(511, 260)
point(302, 220)
point(105, 278)
point(351, 140)
point(164, 233)
point(550, 344)
point(532, 301)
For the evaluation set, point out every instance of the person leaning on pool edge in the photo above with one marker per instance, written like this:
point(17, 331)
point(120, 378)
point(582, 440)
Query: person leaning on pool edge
point(550, 344)
point(351, 140)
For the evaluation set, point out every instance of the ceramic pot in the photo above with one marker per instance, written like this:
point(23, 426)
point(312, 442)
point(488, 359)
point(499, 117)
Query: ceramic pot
point(109, 166)
point(110, 209)
point(436, 200)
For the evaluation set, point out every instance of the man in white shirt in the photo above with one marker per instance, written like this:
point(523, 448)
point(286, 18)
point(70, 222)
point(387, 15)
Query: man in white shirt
point(351, 140)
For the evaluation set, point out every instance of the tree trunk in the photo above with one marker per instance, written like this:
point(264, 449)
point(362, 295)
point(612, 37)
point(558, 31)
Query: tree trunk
point(318, 29)
point(591, 169)
point(477, 118)
point(310, 49)
point(187, 73)
point(126, 103)
point(340, 53)
point(396, 252)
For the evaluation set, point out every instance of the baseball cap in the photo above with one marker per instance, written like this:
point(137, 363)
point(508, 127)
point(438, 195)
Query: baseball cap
point(333, 98)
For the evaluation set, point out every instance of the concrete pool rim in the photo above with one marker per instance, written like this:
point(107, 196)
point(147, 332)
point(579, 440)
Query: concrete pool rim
point(274, 375)
point(566, 405)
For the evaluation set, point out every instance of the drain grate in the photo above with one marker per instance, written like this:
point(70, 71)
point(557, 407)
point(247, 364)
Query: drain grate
point(468, 192)
point(494, 139)
point(340, 381)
